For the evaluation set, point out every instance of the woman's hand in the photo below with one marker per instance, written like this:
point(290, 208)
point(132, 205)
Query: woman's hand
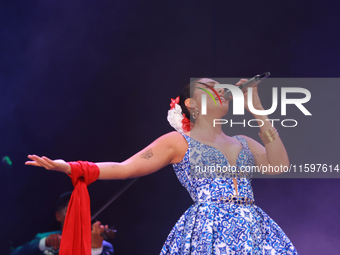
point(56, 165)
point(255, 96)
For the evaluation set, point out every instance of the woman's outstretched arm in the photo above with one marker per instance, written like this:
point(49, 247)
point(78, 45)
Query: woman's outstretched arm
point(169, 148)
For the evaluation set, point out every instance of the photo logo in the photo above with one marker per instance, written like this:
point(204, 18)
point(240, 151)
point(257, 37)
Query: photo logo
point(238, 103)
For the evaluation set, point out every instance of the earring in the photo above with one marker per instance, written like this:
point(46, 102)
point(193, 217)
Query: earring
point(195, 114)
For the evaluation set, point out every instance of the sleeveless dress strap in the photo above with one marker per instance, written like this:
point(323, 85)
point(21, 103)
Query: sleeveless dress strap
point(186, 138)
point(242, 140)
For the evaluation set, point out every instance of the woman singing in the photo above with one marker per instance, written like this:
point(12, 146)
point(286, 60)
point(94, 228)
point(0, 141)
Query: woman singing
point(224, 218)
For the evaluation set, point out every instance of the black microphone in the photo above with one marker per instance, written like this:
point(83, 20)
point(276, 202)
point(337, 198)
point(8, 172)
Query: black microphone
point(250, 83)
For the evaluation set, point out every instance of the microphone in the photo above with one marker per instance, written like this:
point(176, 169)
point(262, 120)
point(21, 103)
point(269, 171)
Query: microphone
point(250, 83)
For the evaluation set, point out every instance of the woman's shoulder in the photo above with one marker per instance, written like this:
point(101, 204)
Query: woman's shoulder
point(174, 135)
point(178, 144)
point(174, 139)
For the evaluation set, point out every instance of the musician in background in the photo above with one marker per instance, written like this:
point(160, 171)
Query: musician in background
point(45, 243)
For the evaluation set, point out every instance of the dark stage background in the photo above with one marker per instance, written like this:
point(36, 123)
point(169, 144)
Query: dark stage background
point(92, 80)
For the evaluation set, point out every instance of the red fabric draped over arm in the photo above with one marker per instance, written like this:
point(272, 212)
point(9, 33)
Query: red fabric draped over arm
point(76, 235)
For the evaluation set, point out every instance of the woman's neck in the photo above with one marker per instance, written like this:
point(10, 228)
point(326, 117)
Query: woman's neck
point(206, 126)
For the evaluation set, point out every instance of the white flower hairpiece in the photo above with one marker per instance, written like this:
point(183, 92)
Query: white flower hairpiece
point(176, 118)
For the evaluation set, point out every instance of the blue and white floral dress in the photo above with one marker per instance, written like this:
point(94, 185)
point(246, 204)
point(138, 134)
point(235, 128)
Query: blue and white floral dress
point(212, 225)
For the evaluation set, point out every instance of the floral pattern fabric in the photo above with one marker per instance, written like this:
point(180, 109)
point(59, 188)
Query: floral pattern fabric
point(213, 227)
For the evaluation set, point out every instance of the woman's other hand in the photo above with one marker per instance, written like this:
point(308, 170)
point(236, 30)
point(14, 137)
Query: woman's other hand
point(56, 165)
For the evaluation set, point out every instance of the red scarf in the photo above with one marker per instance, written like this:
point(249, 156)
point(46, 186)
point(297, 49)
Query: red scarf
point(76, 236)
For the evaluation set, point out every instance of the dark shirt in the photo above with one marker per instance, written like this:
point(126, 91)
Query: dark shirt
point(32, 247)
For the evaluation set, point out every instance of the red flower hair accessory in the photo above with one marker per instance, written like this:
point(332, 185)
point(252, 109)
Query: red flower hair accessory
point(174, 102)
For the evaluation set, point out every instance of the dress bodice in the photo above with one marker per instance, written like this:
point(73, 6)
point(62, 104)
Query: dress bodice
point(206, 173)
